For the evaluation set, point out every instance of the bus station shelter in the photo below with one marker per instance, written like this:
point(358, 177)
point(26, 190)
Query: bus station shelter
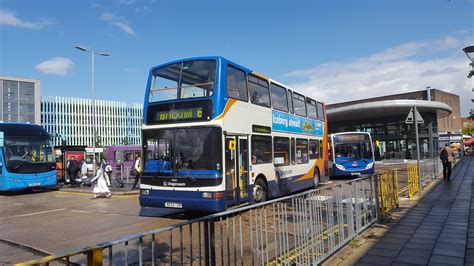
point(385, 121)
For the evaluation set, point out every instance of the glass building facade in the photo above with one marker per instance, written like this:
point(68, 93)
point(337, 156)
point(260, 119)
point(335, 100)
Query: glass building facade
point(395, 139)
point(20, 100)
point(116, 122)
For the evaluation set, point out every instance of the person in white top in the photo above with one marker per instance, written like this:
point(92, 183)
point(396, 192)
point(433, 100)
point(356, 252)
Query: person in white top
point(137, 167)
point(100, 185)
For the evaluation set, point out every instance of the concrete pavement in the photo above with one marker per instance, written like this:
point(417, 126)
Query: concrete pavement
point(439, 230)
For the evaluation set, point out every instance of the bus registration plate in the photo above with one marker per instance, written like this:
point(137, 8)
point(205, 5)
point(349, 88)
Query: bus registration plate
point(173, 204)
point(355, 173)
point(33, 184)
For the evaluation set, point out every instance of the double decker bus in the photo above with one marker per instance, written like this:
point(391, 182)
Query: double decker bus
point(26, 158)
point(217, 134)
point(351, 154)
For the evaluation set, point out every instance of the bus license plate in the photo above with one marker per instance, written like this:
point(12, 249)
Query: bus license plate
point(33, 184)
point(173, 204)
point(355, 173)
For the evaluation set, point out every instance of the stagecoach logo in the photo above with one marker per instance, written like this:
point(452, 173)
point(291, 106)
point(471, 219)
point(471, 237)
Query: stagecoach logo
point(173, 184)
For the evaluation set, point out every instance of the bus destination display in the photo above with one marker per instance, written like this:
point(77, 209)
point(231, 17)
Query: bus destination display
point(178, 114)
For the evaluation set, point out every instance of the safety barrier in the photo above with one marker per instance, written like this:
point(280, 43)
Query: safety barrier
point(413, 180)
point(388, 191)
point(304, 228)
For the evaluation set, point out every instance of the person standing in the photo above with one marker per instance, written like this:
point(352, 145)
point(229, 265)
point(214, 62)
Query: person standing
point(72, 168)
point(100, 185)
point(103, 166)
point(84, 170)
point(137, 167)
point(447, 159)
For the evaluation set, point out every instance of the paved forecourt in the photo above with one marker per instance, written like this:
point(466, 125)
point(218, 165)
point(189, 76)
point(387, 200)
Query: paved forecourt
point(439, 230)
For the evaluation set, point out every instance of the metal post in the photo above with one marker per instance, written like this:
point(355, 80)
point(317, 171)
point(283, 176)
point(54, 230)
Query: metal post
point(93, 115)
point(430, 134)
point(417, 146)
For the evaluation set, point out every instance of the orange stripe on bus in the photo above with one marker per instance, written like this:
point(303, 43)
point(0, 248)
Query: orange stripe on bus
point(227, 108)
point(259, 75)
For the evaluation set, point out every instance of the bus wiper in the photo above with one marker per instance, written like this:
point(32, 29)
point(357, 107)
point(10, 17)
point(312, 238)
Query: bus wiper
point(188, 173)
point(20, 164)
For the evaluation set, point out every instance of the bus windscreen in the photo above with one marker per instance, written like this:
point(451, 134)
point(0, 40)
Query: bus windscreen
point(189, 79)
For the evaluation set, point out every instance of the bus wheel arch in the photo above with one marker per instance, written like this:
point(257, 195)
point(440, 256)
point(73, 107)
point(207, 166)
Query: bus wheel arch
point(260, 189)
point(316, 177)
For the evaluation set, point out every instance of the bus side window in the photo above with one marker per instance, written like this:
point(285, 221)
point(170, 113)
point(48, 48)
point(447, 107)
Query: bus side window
point(301, 151)
point(320, 149)
point(259, 91)
point(293, 148)
point(313, 149)
point(290, 101)
point(261, 149)
point(236, 84)
point(281, 151)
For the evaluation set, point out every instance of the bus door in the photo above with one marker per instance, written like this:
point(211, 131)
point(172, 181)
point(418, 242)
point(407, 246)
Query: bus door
point(236, 172)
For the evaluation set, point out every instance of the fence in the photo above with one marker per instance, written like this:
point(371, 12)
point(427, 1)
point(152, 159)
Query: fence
point(413, 180)
point(388, 191)
point(300, 229)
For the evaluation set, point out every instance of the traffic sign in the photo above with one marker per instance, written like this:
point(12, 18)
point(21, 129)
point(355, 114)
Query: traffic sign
point(411, 118)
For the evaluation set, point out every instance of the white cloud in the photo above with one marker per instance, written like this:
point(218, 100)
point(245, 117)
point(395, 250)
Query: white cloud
point(56, 66)
point(127, 2)
point(10, 19)
point(395, 70)
point(117, 21)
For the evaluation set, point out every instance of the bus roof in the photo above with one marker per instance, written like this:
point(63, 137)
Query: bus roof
point(227, 61)
point(22, 129)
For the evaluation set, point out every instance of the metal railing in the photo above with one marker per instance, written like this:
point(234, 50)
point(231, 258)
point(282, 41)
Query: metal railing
point(304, 228)
point(413, 181)
point(388, 191)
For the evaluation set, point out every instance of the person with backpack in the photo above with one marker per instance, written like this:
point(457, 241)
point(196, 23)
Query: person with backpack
point(73, 168)
point(447, 159)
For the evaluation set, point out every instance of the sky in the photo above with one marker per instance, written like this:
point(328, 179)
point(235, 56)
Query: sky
point(333, 50)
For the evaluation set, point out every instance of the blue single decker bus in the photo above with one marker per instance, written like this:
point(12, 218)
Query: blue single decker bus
point(26, 157)
point(217, 134)
point(351, 154)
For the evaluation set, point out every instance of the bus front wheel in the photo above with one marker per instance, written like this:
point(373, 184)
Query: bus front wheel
point(260, 192)
point(316, 178)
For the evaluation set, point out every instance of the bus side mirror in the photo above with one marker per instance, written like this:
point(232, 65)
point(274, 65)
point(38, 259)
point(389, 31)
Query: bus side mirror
point(1, 139)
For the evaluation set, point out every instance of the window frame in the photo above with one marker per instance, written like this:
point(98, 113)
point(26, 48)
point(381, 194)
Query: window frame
point(288, 151)
point(293, 151)
point(252, 140)
point(272, 99)
point(249, 77)
point(229, 66)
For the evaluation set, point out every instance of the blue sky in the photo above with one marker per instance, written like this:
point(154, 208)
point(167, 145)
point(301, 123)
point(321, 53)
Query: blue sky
point(333, 50)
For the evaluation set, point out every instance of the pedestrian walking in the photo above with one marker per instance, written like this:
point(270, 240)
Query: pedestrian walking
point(100, 185)
point(137, 167)
point(447, 159)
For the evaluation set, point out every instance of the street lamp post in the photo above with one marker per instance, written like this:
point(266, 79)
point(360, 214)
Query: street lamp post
point(469, 51)
point(94, 118)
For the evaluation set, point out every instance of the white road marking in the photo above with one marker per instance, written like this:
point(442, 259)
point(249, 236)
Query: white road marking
point(34, 213)
point(14, 203)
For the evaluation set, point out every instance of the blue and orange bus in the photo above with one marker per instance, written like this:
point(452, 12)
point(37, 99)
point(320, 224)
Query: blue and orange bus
point(26, 157)
point(351, 154)
point(217, 134)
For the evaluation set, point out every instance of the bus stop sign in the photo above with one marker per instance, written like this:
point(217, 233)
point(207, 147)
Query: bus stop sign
point(411, 118)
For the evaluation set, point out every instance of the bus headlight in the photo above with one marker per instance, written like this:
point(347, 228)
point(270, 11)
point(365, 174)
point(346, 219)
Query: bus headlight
point(370, 165)
point(145, 192)
point(207, 195)
point(340, 167)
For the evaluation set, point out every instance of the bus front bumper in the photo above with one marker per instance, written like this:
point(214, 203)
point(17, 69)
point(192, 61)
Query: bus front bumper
point(185, 200)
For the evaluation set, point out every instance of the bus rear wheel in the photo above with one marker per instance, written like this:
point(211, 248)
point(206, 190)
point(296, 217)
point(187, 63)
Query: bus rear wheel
point(316, 178)
point(260, 192)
